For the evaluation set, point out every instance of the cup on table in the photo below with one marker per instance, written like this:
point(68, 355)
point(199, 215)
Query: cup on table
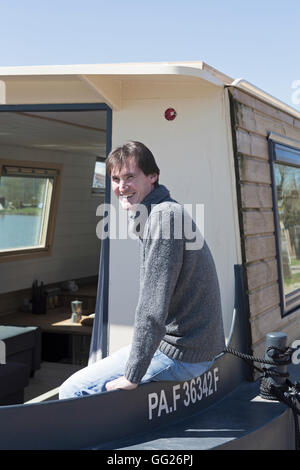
point(76, 310)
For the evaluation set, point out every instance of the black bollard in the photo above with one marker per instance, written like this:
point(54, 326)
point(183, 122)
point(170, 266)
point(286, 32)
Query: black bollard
point(278, 341)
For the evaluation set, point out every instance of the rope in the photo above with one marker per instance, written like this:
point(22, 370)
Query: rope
point(275, 362)
point(287, 393)
point(288, 399)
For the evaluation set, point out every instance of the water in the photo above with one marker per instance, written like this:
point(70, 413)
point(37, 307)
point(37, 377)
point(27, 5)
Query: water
point(17, 231)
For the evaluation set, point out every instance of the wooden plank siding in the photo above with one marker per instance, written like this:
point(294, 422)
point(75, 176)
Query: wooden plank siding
point(252, 121)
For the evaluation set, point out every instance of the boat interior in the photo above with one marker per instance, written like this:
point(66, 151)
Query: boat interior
point(52, 179)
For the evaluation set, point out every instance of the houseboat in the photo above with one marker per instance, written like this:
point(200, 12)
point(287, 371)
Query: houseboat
point(226, 149)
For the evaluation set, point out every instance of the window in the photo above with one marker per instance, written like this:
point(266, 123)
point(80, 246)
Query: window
point(286, 191)
point(99, 176)
point(27, 207)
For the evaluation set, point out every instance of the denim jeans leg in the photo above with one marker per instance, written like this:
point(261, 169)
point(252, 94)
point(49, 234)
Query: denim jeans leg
point(93, 378)
point(163, 367)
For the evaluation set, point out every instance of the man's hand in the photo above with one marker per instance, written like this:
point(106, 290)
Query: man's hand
point(120, 382)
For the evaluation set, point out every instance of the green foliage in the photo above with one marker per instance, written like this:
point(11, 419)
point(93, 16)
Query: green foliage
point(22, 194)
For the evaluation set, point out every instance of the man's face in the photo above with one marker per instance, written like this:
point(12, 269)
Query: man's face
point(130, 184)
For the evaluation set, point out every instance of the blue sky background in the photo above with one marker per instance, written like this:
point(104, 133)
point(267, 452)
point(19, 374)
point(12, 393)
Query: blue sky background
point(258, 40)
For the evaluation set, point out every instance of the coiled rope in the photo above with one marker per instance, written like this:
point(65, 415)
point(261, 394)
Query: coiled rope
point(287, 392)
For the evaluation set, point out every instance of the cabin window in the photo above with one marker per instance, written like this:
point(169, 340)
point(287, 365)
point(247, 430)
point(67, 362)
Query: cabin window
point(27, 196)
point(286, 191)
point(99, 176)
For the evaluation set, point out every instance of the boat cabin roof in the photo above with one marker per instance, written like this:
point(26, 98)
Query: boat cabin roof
point(107, 79)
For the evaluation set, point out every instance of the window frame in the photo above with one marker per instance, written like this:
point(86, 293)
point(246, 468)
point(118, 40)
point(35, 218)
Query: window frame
point(31, 252)
point(283, 151)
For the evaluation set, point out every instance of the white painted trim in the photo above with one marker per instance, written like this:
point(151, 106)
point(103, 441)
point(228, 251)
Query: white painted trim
point(244, 84)
point(50, 395)
point(280, 139)
point(112, 69)
point(2, 352)
point(2, 92)
point(108, 89)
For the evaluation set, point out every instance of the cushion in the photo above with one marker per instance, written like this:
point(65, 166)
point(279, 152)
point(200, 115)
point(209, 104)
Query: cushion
point(23, 344)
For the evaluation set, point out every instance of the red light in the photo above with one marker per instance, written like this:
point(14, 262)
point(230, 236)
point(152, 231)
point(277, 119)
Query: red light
point(170, 114)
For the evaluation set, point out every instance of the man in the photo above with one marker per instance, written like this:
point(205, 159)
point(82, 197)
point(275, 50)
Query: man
point(178, 327)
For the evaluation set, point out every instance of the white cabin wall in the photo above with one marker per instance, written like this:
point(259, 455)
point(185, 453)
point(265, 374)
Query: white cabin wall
point(76, 248)
point(195, 158)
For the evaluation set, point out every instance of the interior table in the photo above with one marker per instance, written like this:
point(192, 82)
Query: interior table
point(59, 321)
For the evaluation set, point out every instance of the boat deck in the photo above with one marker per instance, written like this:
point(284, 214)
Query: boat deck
point(47, 380)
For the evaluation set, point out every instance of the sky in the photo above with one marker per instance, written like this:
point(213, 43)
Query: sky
point(256, 40)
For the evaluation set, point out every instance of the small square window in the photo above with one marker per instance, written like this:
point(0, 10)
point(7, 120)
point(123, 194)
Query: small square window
point(99, 176)
point(27, 197)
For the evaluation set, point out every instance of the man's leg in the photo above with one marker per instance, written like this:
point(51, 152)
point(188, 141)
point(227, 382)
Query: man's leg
point(92, 379)
point(163, 367)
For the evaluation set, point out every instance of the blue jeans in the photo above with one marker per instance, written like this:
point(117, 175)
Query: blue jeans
point(93, 378)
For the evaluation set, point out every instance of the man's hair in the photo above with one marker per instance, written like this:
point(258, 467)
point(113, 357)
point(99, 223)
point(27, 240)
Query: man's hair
point(143, 156)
